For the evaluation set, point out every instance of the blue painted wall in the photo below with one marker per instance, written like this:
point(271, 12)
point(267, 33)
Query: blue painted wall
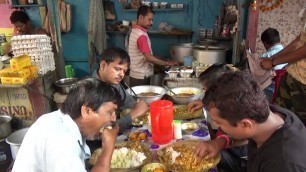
point(196, 14)
point(75, 42)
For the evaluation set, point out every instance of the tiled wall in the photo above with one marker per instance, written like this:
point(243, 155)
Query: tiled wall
point(284, 19)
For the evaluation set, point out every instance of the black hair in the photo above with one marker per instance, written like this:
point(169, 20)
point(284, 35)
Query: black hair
point(237, 96)
point(212, 73)
point(111, 54)
point(270, 36)
point(91, 93)
point(19, 16)
point(144, 10)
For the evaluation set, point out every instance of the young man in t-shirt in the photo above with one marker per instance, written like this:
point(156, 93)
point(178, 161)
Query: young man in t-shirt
point(277, 137)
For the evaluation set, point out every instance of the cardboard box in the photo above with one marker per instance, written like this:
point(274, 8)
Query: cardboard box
point(6, 80)
point(19, 80)
point(20, 62)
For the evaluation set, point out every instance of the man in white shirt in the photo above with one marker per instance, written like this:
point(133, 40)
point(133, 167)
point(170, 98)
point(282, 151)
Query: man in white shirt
point(56, 141)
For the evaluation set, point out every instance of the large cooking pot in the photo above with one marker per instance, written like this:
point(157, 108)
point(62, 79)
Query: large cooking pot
point(5, 125)
point(179, 51)
point(209, 54)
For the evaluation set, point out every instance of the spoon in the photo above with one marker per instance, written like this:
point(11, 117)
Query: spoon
point(130, 89)
point(170, 90)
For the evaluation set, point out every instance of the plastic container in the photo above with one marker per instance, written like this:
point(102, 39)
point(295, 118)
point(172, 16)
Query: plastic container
point(161, 112)
point(15, 140)
point(188, 60)
point(177, 127)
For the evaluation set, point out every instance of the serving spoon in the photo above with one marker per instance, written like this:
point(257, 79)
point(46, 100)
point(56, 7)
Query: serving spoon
point(170, 90)
point(130, 89)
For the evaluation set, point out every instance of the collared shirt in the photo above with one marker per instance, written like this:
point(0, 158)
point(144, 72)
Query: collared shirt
point(139, 43)
point(53, 143)
point(298, 69)
point(274, 50)
point(126, 101)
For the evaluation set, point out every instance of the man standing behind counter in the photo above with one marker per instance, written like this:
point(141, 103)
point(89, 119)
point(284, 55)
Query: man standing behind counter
point(23, 25)
point(113, 66)
point(140, 51)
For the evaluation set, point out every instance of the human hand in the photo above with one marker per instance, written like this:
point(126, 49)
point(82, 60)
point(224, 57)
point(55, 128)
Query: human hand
point(140, 108)
point(195, 105)
point(210, 148)
point(172, 63)
point(108, 137)
point(266, 63)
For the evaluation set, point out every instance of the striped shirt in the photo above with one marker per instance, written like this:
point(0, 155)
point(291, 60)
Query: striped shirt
point(139, 43)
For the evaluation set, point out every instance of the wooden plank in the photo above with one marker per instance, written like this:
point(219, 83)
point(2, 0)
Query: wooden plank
point(4, 101)
point(252, 28)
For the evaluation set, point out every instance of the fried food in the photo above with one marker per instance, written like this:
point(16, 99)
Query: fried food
point(184, 159)
point(181, 113)
point(158, 170)
point(141, 120)
point(137, 136)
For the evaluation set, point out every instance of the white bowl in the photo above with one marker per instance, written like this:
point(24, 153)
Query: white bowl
point(198, 94)
point(161, 91)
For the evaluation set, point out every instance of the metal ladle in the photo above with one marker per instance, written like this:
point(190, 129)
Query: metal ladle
point(170, 90)
point(130, 89)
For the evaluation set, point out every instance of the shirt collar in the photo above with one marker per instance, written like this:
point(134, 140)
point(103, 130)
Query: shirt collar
point(135, 26)
point(71, 126)
point(277, 46)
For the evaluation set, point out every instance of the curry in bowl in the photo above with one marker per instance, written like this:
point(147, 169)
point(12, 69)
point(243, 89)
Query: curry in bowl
point(147, 94)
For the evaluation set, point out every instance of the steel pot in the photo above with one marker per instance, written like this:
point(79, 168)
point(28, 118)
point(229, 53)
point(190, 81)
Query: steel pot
point(5, 126)
point(179, 51)
point(209, 54)
point(64, 85)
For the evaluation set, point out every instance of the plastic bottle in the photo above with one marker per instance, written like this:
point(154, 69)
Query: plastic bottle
point(177, 129)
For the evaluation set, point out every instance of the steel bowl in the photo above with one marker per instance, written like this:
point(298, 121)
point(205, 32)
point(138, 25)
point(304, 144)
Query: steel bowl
point(161, 91)
point(190, 127)
point(152, 166)
point(64, 85)
point(5, 125)
point(198, 94)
